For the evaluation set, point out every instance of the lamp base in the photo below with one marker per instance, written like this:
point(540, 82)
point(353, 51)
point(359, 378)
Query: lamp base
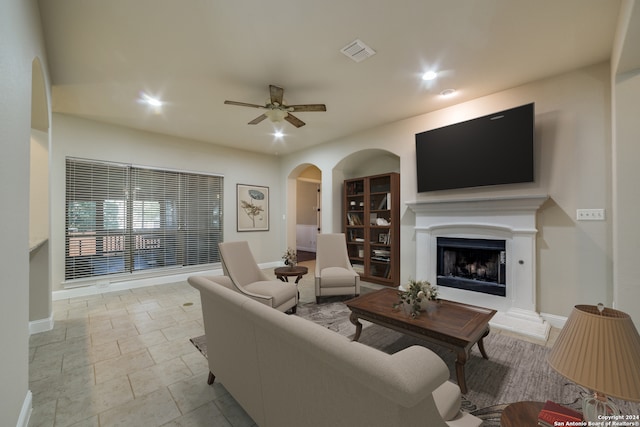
point(597, 405)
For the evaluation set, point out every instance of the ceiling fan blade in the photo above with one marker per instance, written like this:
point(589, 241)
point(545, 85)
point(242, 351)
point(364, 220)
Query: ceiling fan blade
point(276, 94)
point(308, 107)
point(294, 120)
point(243, 104)
point(257, 119)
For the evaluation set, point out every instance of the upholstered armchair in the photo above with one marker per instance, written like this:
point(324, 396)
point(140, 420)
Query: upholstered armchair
point(334, 273)
point(247, 278)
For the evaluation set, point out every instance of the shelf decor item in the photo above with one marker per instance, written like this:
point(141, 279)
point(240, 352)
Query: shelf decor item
point(599, 349)
point(415, 296)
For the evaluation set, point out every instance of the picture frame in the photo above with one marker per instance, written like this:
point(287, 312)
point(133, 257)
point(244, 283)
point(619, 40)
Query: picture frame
point(383, 238)
point(252, 207)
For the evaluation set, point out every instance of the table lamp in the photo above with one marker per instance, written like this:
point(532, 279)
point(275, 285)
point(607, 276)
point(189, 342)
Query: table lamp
point(599, 348)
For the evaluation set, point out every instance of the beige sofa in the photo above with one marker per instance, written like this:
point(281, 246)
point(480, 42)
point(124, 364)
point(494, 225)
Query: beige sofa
point(288, 371)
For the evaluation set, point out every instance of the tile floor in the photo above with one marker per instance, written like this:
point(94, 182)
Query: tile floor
point(124, 359)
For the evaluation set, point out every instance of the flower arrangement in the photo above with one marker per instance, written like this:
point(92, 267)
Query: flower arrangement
point(417, 291)
point(290, 257)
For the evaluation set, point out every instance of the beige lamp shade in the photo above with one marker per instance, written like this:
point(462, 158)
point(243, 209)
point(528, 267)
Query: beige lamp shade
point(599, 351)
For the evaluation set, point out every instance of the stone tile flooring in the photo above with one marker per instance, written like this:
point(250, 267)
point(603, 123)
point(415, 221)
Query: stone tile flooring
point(124, 359)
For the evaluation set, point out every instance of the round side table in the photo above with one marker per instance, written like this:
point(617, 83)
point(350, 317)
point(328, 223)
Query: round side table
point(283, 273)
point(521, 414)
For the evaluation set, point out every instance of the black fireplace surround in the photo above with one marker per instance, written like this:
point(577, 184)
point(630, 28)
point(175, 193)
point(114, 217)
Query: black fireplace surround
point(472, 264)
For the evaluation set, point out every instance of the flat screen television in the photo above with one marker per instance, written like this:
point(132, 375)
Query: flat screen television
point(489, 150)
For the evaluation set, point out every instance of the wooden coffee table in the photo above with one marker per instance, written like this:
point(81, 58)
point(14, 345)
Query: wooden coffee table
point(453, 325)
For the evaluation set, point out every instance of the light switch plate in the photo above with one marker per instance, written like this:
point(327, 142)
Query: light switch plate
point(590, 214)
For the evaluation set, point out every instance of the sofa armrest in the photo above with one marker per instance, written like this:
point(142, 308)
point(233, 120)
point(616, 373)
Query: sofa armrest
point(448, 400)
point(419, 372)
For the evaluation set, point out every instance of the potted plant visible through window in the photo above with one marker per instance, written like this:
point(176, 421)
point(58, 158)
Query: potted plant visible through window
point(415, 297)
point(290, 258)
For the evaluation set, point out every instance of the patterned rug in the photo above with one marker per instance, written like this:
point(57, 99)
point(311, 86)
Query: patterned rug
point(515, 371)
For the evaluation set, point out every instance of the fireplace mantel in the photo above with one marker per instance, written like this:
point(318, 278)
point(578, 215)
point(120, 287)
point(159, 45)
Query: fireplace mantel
point(524, 203)
point(511, 218)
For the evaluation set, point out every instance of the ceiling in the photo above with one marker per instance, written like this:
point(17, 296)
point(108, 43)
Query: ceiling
point(195, 54)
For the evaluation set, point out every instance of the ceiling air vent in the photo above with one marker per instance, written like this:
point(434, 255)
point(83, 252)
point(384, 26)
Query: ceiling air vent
point(358, 51)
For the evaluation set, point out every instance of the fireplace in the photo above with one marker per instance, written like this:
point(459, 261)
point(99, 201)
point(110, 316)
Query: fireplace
point(490, 245)
point(477, 265)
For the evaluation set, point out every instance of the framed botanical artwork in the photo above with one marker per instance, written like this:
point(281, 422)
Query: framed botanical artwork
point(253, 208)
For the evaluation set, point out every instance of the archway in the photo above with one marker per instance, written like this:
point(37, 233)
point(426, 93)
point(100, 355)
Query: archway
point(360, 163)
point(40, 306)
point(304, 207)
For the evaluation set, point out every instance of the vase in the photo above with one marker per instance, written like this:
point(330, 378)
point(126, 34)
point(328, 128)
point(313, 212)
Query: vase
point(429, 305)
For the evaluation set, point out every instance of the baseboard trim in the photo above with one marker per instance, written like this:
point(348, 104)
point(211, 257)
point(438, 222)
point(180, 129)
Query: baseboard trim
point(554, 320)
point(25, 412)
point(105, 286)
point(42, 325)
point(524, 322)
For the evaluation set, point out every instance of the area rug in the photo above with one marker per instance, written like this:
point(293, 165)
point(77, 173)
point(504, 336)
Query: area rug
point(516, 370)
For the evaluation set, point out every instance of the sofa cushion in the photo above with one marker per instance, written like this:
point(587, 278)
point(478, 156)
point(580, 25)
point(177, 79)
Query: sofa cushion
point(337, 277)
point(281, 292)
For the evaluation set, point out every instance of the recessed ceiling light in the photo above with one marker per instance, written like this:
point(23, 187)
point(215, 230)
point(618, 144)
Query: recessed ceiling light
point(429, 75)
point(150, 100)
point(447, 93)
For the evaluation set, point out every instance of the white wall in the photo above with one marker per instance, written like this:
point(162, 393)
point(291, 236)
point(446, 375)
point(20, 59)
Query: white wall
point(92, 140)
point(40, 306)
point(625, 65)
point(627, 200)
point(573, 158)
point(20, 43)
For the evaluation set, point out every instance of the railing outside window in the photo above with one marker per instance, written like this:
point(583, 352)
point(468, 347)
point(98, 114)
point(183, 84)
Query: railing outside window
point(124, 218)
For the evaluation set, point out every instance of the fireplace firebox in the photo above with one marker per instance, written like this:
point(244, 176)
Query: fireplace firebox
point(477, 265)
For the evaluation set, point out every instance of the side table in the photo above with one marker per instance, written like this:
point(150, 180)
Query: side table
point(521, 414)
point(283, 273)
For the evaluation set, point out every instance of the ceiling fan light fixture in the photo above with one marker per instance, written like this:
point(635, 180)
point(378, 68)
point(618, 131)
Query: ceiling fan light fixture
point(429, 75)
point(276, 115)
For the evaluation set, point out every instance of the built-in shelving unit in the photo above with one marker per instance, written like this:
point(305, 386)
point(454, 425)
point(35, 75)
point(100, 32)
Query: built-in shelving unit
point(371, 209)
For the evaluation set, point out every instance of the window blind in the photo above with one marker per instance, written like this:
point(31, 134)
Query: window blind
point(124, 218)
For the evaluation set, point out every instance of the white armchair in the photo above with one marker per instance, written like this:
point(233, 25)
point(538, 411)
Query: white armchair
point(247, 278)
point(334, 274)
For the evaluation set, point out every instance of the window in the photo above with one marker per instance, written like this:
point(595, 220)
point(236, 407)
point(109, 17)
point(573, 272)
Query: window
point(123, 218)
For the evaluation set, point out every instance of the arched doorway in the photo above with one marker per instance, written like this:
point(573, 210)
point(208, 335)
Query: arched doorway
point(304, 208)
point(360, 163)
point(40, 306)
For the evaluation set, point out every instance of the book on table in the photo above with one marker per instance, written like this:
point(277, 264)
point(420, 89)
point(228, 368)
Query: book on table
point(553, 414)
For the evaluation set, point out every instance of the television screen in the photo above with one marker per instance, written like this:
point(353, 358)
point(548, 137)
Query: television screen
point(489, 150)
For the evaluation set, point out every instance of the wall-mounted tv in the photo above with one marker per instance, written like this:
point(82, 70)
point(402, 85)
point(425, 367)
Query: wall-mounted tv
point(489, 150)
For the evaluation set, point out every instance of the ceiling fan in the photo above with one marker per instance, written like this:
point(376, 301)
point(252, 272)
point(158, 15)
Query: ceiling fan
point(277, 110)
